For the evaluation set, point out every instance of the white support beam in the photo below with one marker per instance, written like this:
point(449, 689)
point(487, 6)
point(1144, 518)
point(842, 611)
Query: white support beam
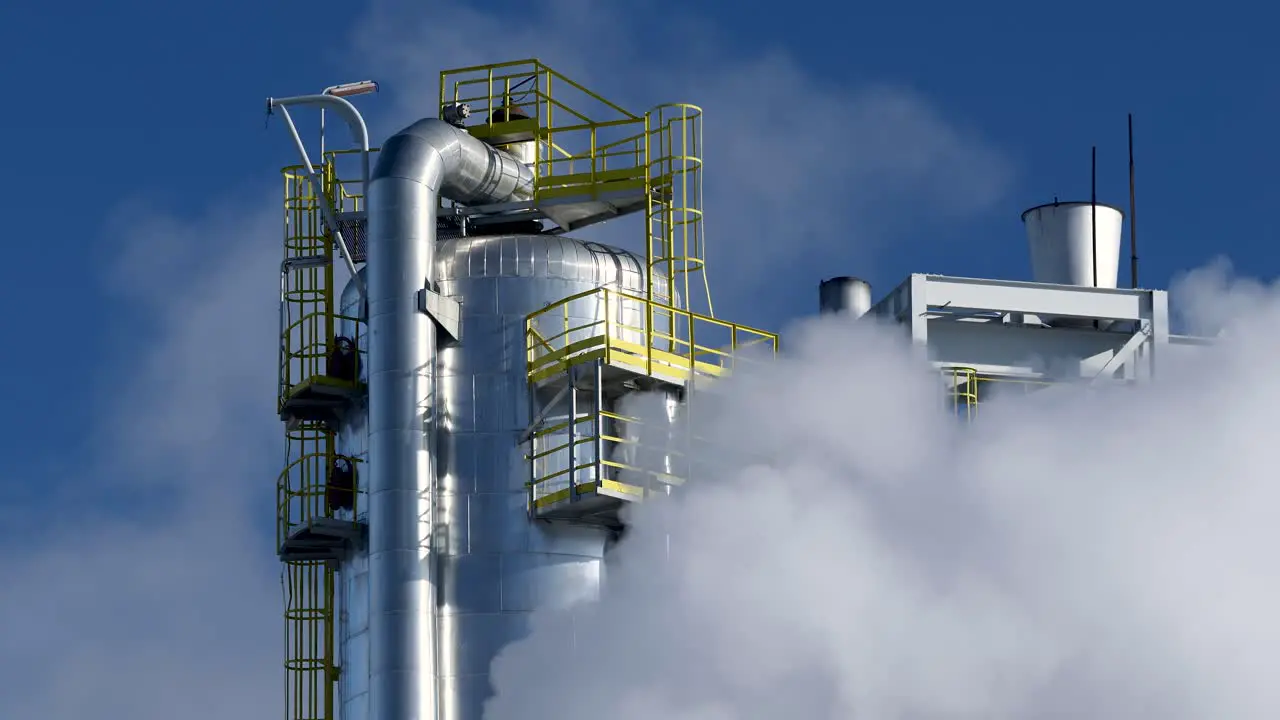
point(918, 309)
point(979, 323)
point(1009, 296)
point(1159, 330)
point(1127, 353)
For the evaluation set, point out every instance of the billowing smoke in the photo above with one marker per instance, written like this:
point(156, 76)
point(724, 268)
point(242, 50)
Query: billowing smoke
point(852, 552)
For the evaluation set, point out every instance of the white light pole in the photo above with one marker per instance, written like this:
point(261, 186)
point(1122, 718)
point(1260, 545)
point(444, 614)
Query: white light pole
point(363, 87)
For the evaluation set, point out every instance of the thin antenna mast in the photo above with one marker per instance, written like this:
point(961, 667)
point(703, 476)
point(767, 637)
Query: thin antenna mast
point(1133, 215)
point(1093, 202)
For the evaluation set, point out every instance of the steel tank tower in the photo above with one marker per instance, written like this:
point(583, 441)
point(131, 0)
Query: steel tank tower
point(458, 451)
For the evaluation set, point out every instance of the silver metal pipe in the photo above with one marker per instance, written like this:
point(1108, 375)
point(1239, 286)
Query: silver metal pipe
point(425, 160)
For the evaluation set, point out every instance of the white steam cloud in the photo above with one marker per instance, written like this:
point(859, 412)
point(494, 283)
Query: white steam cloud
point(1104, 555)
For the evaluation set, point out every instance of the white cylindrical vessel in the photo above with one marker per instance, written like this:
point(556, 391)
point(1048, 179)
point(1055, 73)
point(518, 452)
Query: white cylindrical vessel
point(1062, 240)
point(1074, 243)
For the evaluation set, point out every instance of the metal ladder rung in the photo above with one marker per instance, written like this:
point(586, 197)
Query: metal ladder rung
point(306, 261)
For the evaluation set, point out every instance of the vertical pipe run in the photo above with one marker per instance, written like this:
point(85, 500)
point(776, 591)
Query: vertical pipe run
point(419, 164)
point(402, 218)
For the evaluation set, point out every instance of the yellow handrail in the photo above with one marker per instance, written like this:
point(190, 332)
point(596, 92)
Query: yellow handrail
point(554, 338)
point(304, 355)
point(606, 467)
point(966, 388)
point(579, 136)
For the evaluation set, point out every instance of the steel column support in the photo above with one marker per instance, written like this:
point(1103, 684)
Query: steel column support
point(597, 408)
point(573, 433)
point(1125, 355)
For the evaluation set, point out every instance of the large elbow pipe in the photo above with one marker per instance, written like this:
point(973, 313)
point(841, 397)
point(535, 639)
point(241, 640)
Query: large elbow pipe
point(448, 160)
point(426, 160)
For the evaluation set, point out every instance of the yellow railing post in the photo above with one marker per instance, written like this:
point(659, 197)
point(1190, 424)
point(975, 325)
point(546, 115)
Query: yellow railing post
point(693, 350)
point(566, 331)
point(964, 392)
point(608, 324)
point(647, 329)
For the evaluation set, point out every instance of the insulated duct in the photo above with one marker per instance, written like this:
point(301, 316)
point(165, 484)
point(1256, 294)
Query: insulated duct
point(416, 166)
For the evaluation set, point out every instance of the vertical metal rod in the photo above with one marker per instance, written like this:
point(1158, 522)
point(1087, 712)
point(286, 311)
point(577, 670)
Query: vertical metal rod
point(686, 408)
point(283, 384)
point(688, 475)
point(1093, 201)
point(573, 434)
point(329, 635)
point(1133, 215)
point(597, 407)
point(535, 412)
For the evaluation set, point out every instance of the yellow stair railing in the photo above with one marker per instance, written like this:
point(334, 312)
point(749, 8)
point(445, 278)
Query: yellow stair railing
point(581, 146)
point(966, 389)
point(342, 178)
point(606, 451)
point(600, 451)
point(303, 492)
point(673, 219)
point(592, 159)
point(962, 391)
point(577, 143)
point(635, 333)
point(344, 187)
point(306, 287)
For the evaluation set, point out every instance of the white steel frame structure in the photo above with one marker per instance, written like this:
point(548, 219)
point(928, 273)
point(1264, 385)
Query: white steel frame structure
point(1001, 328)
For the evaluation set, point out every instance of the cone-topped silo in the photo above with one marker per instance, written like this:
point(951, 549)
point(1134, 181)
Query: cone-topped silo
point(458, 450)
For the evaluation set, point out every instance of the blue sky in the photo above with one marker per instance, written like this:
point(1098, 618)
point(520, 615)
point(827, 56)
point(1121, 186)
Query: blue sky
point(141, 186)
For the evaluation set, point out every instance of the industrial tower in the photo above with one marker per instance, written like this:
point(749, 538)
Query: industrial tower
point(458, 450)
